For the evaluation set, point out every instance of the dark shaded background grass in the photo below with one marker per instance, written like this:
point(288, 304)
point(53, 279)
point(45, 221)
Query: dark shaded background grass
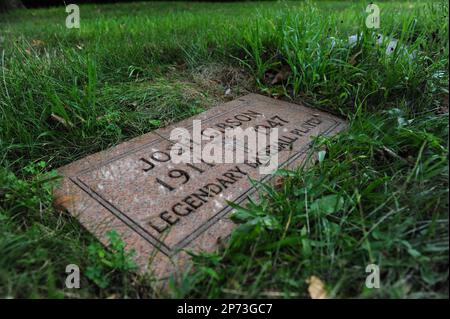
point(134, 67)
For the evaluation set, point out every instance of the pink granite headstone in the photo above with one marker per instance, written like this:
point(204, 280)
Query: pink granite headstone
point(161, 209)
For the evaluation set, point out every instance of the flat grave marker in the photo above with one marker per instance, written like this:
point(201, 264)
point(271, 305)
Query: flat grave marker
point(161, 208)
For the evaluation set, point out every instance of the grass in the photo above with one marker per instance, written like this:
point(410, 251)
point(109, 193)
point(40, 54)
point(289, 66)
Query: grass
point(379, 195)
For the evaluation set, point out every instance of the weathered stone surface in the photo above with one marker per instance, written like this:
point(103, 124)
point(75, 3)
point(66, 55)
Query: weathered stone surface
point(134, 189)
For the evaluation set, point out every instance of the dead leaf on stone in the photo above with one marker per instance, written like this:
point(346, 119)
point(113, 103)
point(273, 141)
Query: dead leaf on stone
point(282, 75)
point(352, 60)
point(316, 288)
point(61, 201)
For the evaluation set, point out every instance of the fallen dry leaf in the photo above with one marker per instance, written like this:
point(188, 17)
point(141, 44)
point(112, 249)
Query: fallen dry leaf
point(282, 75)
point(316, 288)
point(61, 201)
point(60, 120)
point(443, 109)
point(352, 60)
point(37, 43)
point(279, 181)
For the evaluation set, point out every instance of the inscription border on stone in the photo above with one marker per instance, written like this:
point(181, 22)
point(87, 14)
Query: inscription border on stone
point(157, 243)
point(118, 205)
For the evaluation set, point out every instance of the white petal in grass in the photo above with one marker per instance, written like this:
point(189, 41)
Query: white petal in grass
point(379, 38)
point(321, 156)
point(392, 45)
point(439, 74)
point(333, 42)
point(352, 39)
